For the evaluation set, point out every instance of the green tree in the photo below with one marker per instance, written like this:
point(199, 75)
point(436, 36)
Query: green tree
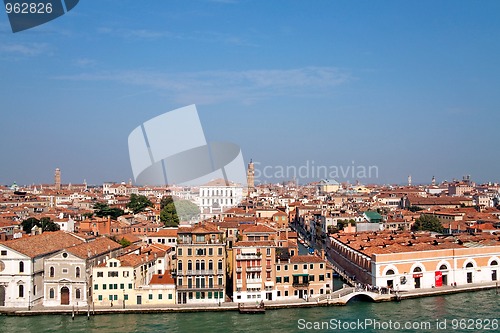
point(138, 203)
point(165, 201)
point(168, 215)
point(103, 210)
point(427, 223)
point(29, 223)
point(45, 223)
point(124, 243)
point(48, 225)
point(186, 210)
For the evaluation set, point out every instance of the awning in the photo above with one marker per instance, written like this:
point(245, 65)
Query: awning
point(302, 274)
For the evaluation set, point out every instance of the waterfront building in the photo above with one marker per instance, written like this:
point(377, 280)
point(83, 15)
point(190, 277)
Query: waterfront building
point(126, 280)
point(201, 264)
point(408, 261)
point(217, 196)
point(22, 266)
point(67, 273)
point(302, 276)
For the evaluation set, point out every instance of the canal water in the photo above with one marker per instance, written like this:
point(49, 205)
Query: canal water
point(466, 312)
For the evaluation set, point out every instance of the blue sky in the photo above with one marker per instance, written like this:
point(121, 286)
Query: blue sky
point(408, 86)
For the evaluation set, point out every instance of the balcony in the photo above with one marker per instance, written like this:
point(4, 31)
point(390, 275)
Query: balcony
point(269, 267)
point(254, 268)
point(205, 288)
point(251, 256)
point(200, 272)
point(238, 269)
point(300, 284)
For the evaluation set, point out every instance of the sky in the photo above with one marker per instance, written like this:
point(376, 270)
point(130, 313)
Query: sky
point(408, 87)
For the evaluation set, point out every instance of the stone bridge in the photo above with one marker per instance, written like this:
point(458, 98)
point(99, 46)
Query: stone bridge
point(344, 295)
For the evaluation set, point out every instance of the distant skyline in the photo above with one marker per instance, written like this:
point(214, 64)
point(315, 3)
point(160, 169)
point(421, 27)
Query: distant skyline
point(409, 87)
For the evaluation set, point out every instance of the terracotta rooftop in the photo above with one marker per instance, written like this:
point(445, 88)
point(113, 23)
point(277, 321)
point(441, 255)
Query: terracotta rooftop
point(165, 278)
point(96, 247)
point(305, 259)
point(46, 243)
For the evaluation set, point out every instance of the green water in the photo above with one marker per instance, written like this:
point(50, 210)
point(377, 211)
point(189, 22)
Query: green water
point(478, 306)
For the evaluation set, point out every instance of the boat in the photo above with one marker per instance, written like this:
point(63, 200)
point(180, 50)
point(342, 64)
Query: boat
point(252, 309)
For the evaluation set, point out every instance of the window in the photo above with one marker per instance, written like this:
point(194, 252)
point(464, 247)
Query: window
point(321, 277)
point(210, 252)
point(494, 263)
point(278, 293)
point(21, 268)
point(295, 267)
point(77, 272)
point(220, 251)
point(219, 265)
point(125, 297)
point(210, 265)
point(65, 271)
point(104, 286)
point(286, 267)
point(51, 293)
point(278, 268)
point(96, 287)
point(110, 297)
point(190, 252)
point(115, 297)
point(99, 297)
point(21, 291)
point(179, 281)
point(100, 274)
point(169, 296)
point(179, 266)
point(286, 293)
point(320, 266)
point(286, 279)
point(278, 279)
point(305, 266)
point(130, 286)
point(179, 251)
point(122, 285)
point(219, 281)
point(268, 252)
point(78, 293)
point(150, 296)
point(51, 271)
point(160, 296)
point(3, 253)
point(126, 274)
point(311, 266)
point(390, 272)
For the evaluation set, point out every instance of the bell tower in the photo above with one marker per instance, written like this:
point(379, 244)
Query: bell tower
point(57, 179)
point(250, 177)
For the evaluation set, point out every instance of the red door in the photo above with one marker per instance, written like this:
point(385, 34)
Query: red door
point(64, 296)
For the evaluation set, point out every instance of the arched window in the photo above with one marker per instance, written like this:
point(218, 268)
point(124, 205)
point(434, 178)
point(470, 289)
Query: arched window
point(77, 272)
point(51, 293)
point(443, 268)
point(210, 265)
point(190, 265)
point(469, 265)
point(21, 268)
point(77, 293)
point(21, 290)
point(219, 265)
point(197, 265)
point(202, 266)
point(390, 272)
point(51, 271)
point(179, 265)
point(494, 263)
point(417, 269)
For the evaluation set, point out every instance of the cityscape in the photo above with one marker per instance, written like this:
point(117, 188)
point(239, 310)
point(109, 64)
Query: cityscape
point(250, 166)
point(125, 247)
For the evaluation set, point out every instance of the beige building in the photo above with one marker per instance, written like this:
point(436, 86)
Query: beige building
point(67, 273)
point(302, 276)
point(201, 264)
point(131, 279)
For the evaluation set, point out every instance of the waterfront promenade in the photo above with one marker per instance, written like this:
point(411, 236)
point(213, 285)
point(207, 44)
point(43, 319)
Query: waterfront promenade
point(339, 297)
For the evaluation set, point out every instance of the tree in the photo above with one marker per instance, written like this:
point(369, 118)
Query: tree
point(45, 223)
point(103, 210)
point(29, 223)
point(48, 225)
point(168, 215)
point(138, 203)
point(124, 243)
point(427, 223)
point(171, 213)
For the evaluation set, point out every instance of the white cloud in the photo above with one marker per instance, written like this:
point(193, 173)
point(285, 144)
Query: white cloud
point(208, 87)
point(24, 49)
